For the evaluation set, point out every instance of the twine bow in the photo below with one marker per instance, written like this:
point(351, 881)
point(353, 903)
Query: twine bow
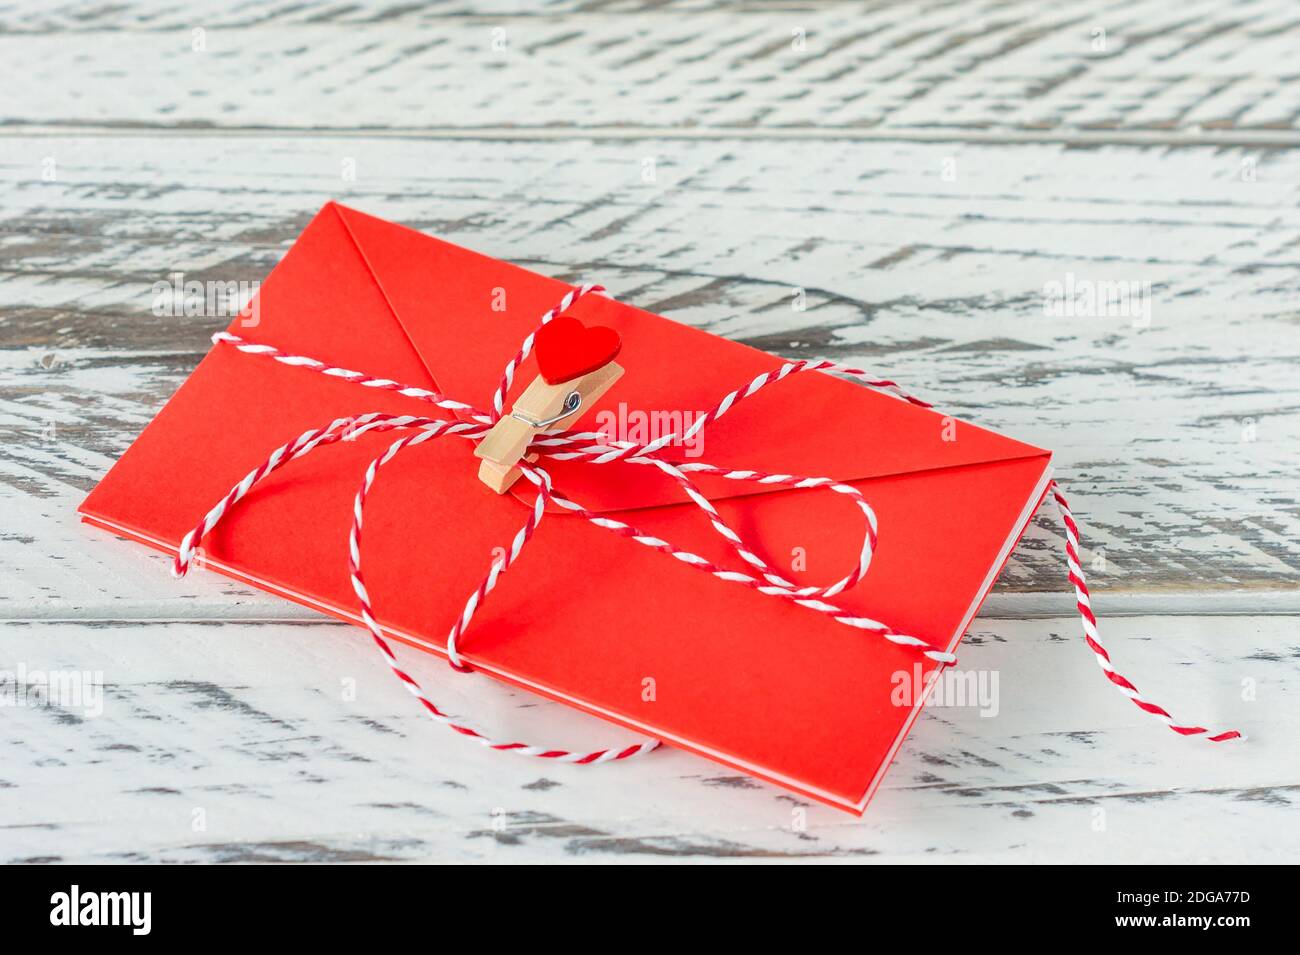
point(598, 448)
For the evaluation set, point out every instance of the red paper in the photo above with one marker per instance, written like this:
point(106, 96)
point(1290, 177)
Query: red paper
point(585, 616)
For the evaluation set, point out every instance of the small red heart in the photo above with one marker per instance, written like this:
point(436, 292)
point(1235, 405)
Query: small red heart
point(567, 349)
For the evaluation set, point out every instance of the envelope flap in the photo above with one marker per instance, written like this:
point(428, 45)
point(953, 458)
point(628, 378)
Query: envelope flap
point(466, 314)
point(322, 300)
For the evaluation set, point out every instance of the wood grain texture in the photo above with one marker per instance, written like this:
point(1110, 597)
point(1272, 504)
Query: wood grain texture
point(1095, 70)
point(1177, 439)
point(292, 744)
point(921, 172)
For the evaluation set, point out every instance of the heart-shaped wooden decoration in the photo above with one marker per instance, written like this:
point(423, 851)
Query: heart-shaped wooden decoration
point(567, 349)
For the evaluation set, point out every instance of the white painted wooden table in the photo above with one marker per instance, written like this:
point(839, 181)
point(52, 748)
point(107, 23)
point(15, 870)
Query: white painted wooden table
point(922, 170)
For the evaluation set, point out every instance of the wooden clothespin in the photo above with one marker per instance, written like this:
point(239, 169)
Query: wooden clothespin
point(577, 366)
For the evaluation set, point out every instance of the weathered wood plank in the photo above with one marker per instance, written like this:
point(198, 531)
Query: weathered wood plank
point(126, 154)
point(1087, 70)
point(294, 743)
point(1179, 438)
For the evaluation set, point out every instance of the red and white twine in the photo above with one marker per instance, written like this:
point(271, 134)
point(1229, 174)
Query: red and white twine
point(1083, 601)
point(599, 448)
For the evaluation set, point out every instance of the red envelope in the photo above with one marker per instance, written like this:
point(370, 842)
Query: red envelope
point(585, 616)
